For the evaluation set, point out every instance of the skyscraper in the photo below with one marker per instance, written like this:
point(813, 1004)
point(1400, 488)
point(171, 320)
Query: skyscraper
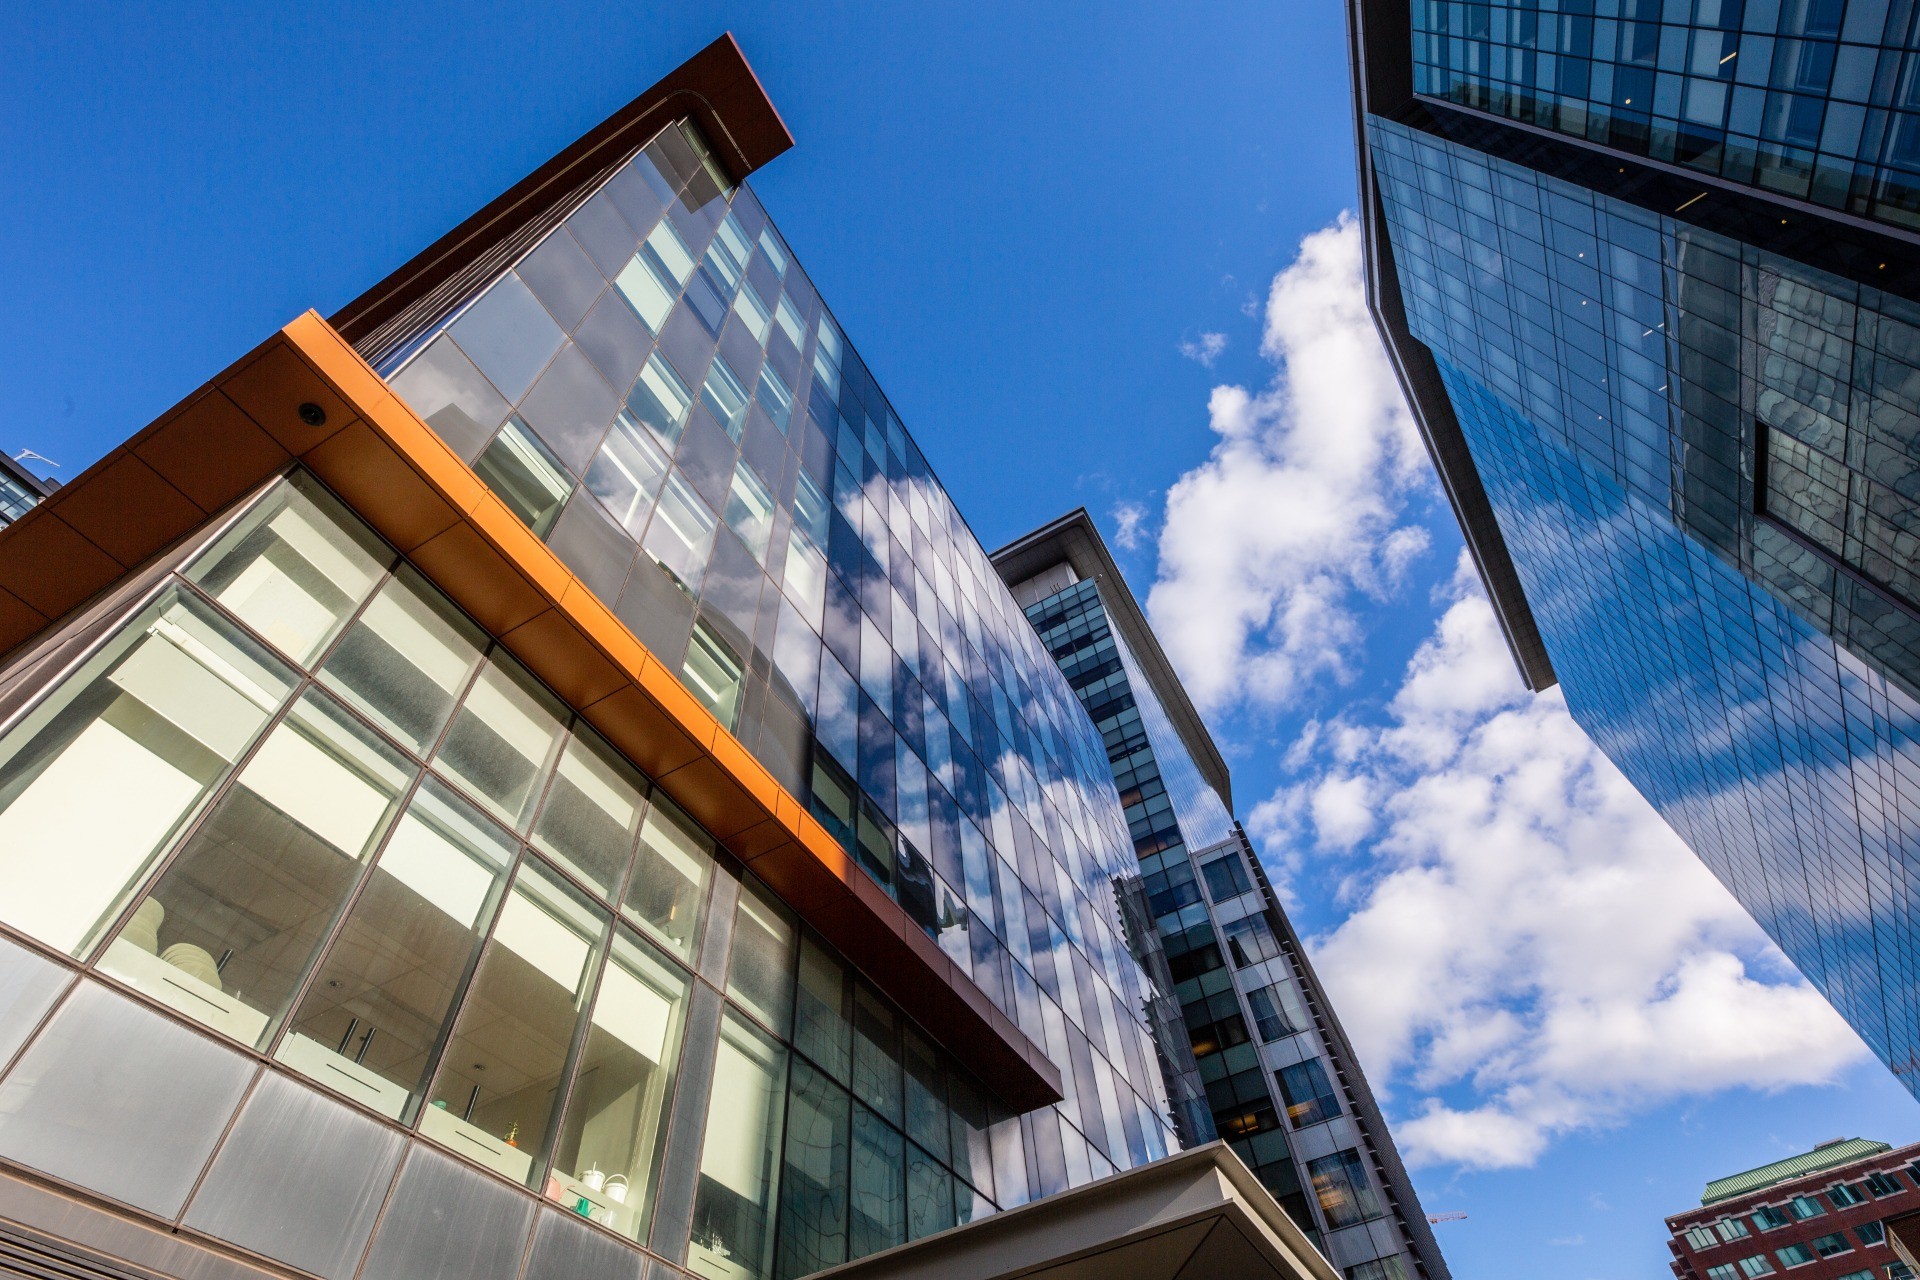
point(1647, 270)
point(1282, 1086)
point(533, 777)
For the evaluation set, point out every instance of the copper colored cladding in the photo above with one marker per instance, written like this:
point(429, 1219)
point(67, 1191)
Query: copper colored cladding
point(716, 87)
point(375, 453)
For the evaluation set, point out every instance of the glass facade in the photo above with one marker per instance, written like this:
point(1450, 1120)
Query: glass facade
point(1729, 434)
point(656, 388)
point(1818, 100)
point(371, 894)
point(1263, 1062)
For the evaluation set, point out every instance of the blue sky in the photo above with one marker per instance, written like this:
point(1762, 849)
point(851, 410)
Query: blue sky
point(1053, 232)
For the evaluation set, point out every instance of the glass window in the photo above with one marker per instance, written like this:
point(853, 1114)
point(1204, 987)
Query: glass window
point(647, 288)
point(770, 245)
point(1829, 1245)
point(1702, 1238)
point(379, 1003)
point(1226, 877)
point(499, 1079)
point(972, 1118)
point(1309, 1094)
point(810, 509)
point(876, 1053)
point(821, 1028)
point(750, 511)
point(592, 812)
point(292, 569)
point(1249, 941)
point(1871, 1233)
point(670, 874)
point(1276, 1011)
point(448, 1222)
point(712, 674)
point(681, 533)
point(626, 473)
point(929, 1195)
point(163, 710)
point(227, 933)
point(608, 1154)
point(1756, 1266)
point(1725, 1271)
point(1844, 1194)
point(1794, 1255)
point(753, 313)
point(760, 972)
point(1379, 1269)
point(502, 741)
point(1340, 1183)
point(1804, 1207)
point(29, 984)
point(806, 576)
point(300, 1179)
point(136, 1126)
point(670, 251)
point(813, 1177)
point(727, 255)
point(774, 398)
point(1731, 1229)
point(509, 335)
point(787, 316)
point(405, 662)
point(927, 1122)
point(524, 474)
point(878, 1217)
point(565, 1250)
point(733, 1200)
point(724, 397)
point(1882, 1183)
point(659, 402)
point(1768, 1217)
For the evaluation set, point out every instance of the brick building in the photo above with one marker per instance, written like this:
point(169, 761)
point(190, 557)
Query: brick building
point(1819, 1215)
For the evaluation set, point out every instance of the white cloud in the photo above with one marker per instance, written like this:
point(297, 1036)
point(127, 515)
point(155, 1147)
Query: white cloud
point(1129, 525)
point(1205, 349)
point(1534, 942)
point(1298, 506)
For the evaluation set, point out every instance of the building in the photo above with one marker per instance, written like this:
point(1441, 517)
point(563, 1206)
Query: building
point(532, 777)
point(1819, 1215)
point(20, 489)
point(1282, 1086)
point(1648, 274)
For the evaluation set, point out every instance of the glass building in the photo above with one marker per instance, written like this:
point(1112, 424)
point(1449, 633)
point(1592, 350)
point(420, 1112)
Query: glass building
point(1648, 273)
point(1279, 1081)
point(532, 776)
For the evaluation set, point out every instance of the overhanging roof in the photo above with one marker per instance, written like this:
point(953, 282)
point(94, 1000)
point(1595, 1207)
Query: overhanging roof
point(1076, 540)
point(1830, 1156)
point(246, 426)
point(1198, 1215)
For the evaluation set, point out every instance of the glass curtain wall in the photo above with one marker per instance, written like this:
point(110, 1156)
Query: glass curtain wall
point(386, 859)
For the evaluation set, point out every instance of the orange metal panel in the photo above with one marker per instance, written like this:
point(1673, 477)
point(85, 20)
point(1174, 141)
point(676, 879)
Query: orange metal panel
point(127, 507)
point(369, 475)
point(485, 583)
point(648, 736)
point(561, 655)
point(210, 451)
point(271, 389)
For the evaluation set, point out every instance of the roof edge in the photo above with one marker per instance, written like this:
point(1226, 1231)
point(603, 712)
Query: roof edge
point(1076, 539)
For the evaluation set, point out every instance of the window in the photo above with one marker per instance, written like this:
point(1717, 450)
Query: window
point(1340, 1183)
point(681, 534)
point(712, 674)
point(1883, 1183)
point(1828, 1246)
point(1379, 1269)
point(750, 511)
point(760, 973)
point(405, 662)
point(1844, 1194)
point(1871, 1233)
point(1249, 941)
point(227, 933)
point(1226, 877)
point(671, 871)
point(164, 709)
point(1858, 1275)
point(1756, 1266)
point(753, 314)
point(1804, 1207)
point(1725, 1271)
point(1731, 1229)
point(774, 398)
point(725, 398)
point(615, 1130)
point(1276, 1011)
point(652, 279)
point(733, 1200)
point(659, 402)
point(592, 812)
point(1308, 1093)
point(500, 1078)
point(1770, 1217)
point(1702, 1238)
point(504, 736)
point(525, 475)
point(1794, 1255)
point(626, 473)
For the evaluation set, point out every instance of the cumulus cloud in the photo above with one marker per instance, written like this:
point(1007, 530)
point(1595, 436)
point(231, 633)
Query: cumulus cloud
point(1533, 952)
point(1129, 525)
point(1205, 349)
point(1298, 506)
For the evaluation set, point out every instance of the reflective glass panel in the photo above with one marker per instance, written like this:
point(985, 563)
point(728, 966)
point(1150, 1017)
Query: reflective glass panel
point(821, 1028)
point(671, 870)
point(405, 661)
point(876, 1053)
point(760, 973)
point(29, 984)
point(627, 472)
point(929, 1195)
point(592, 812)
point(226, 934)
point(813, 1178)
point(378, 1006)
point(712, 674)
point(681, 533)
point(724, 397)
point(524, 474)
point(502, 741)
point(162, 710)
point(750, 511)
point(292, 569)
point(498, 1085)
point(879, 1208)
point(733, 1201)
point(608, 1154)
point(659, 402)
